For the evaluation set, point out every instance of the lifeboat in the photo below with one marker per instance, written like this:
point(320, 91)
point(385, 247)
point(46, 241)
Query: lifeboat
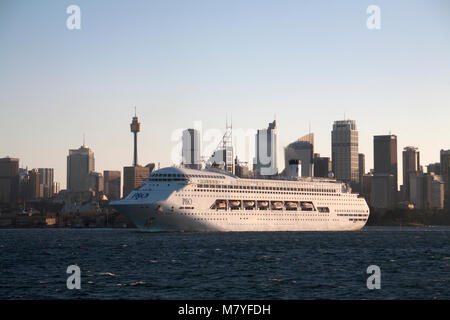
point(263, 204)
point(277, 205)
point(291, 204)
point(221, 204)
point(235, 203)
point(249, 203)
point(307, 206)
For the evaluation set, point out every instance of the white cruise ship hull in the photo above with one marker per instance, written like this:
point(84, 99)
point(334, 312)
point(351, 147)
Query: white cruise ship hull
point(200, 205)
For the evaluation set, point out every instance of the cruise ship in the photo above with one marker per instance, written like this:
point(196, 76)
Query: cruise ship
point(182, 199)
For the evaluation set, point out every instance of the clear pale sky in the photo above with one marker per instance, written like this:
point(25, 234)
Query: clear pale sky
point(308, 62)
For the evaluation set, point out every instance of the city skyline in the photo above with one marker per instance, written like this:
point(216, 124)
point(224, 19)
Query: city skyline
point(180, 63)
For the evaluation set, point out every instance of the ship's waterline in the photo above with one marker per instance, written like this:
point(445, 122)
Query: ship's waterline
point(180, 199)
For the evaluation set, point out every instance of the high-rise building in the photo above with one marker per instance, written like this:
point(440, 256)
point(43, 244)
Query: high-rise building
point(46, 180)
point(9, 180)
point(411, 166)
point(384, 188)
point(303, 150)
point(95, 182)
point(445, 173)
point(434, 168)
point(385, 155)
point(382, 191)
point(56, 188)
point(426, 191)
point(191, 149)
point(361, 168)
point(111, 184)
point(322, 166)
point(133, 178)
point(344, 151)
point(266, 144)
point(80, 162)
point(35, 190)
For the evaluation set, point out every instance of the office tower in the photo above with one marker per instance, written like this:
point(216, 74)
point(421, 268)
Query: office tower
point(411, 166)
point(56, 188)
point(445, 173)
point(95, 182)
point(46, 180)
point(241, 169)
point(344, 151)
point(80, 162)
point(133, 178)
point(427, 191)
point(191, 149)
point(9, 180)
point(384, 181)
point(385, 155)
point(383, 194)
point(303, 150)
point(111, 184)
point(322, 166)
point(366, 187)
point(134, 175)
point(266, 144)
point(434, 168)
point(35, 191)
point(361, 167)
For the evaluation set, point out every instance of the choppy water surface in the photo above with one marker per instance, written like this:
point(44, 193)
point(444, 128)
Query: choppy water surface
point(129, 264)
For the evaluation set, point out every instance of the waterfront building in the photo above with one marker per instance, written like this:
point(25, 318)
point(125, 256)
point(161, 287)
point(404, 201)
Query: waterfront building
point(445, 173)
point(382, 191)
point(133, 178)
point(95, 182)
point(361, 168)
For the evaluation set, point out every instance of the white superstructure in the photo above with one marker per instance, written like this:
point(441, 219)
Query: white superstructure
point(180, 199)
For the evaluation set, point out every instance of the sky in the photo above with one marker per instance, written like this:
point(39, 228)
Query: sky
point(190, 63)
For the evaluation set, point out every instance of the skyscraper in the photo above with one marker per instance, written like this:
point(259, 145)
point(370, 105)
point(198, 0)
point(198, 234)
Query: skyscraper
point(191, 149)
point(385, 155)
point(361, 168)
point(344, 151)
point(80, 162)
point(9, 180)
point(303, 150)
point(384, 181)
point(46, 180)
point(322, 166)
point(111, 184)
point(266, 144)
point(411, 166)
point(445, 173)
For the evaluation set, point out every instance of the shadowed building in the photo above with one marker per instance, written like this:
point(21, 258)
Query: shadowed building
point(361, 168)
point(384, 181)
point(80, 162)
point(411, 166)
point(344, 151)
point(111, 184)
point(9, 180)
point(445, 173)
point(322, 166)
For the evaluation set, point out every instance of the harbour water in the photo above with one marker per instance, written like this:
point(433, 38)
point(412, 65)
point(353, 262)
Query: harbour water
point(130, 264)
